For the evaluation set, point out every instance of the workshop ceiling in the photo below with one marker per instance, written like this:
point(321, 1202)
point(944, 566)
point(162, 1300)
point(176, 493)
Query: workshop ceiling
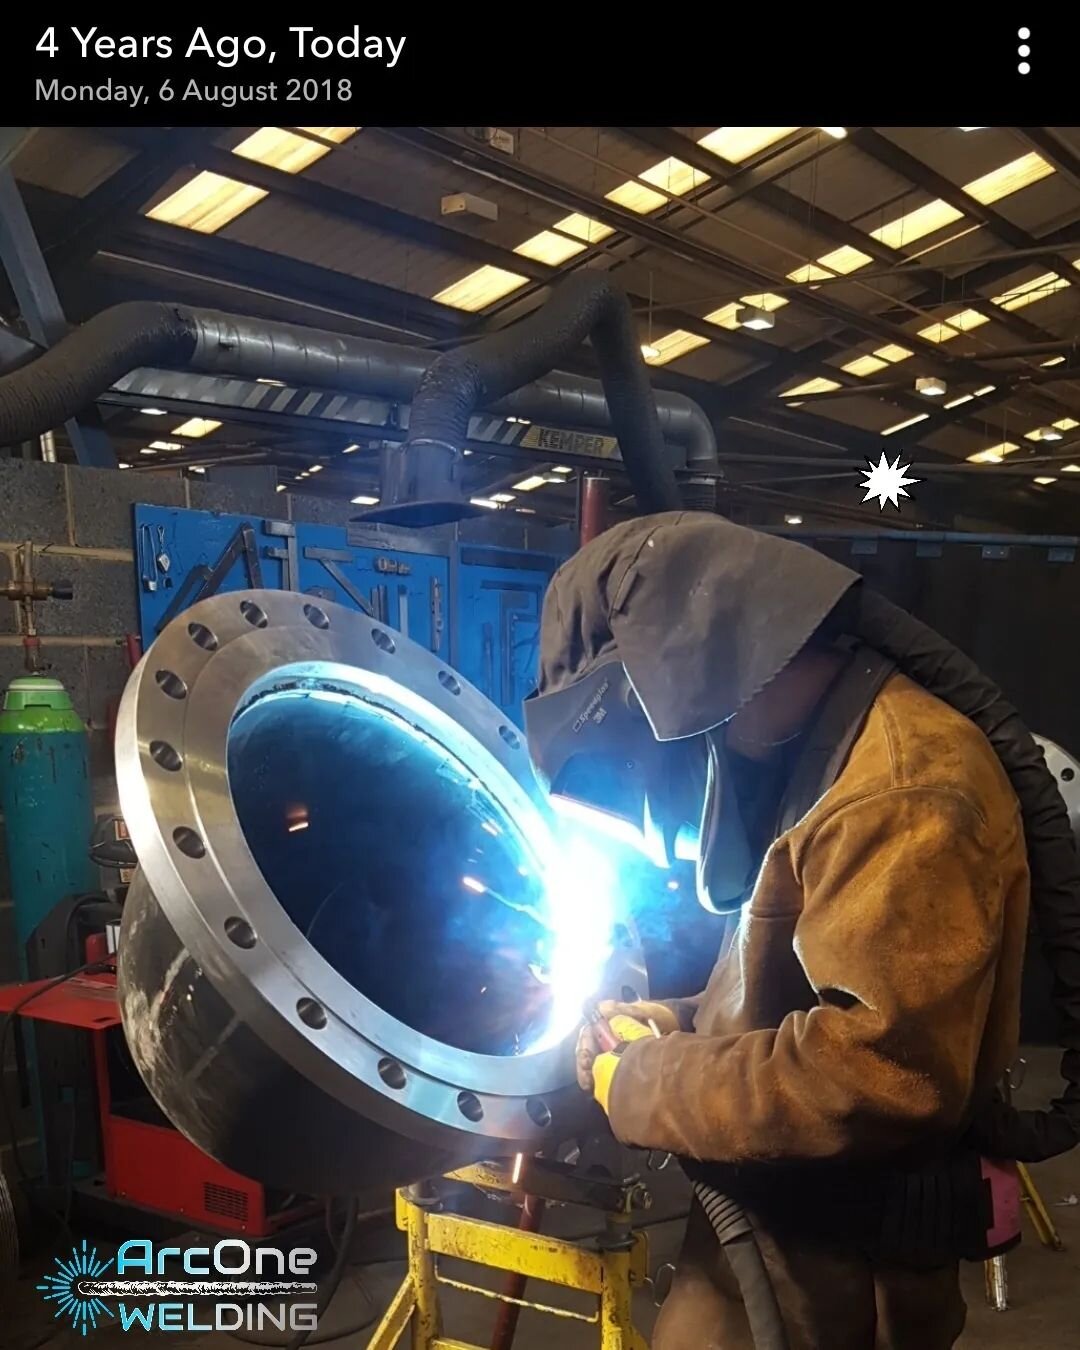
point(879, 255)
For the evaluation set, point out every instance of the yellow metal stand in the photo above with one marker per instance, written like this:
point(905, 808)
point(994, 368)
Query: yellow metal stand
point(610, 1273)
point(995, 1270)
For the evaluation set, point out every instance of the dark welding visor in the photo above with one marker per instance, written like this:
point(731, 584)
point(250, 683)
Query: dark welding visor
point(593, 748)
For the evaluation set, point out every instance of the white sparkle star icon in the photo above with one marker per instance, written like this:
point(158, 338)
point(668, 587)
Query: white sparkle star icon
point(886, 481)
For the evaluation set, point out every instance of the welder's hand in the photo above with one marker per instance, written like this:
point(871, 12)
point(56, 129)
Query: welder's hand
point(664, 1017)
point(588, 1049)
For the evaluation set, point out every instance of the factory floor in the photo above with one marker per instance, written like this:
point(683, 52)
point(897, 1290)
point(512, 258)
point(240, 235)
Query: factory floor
point(1044, 1286)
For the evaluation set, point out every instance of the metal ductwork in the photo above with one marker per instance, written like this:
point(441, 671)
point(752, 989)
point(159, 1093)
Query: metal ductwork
point(427, 481)
point(353, 955)
point(59, 383)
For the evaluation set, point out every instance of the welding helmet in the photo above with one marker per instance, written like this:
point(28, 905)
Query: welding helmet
point(594, 749)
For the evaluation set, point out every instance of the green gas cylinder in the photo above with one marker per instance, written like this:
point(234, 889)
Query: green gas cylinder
point(46, 799)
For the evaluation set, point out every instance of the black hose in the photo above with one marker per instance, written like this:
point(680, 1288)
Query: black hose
point(735, 1233)
point(63, 380)
point(585, 305)
point(1000, 1130)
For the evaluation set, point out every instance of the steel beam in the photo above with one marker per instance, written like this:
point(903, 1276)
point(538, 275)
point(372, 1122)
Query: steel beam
point(40, 307)
point(490, 164)
point(119, 198)
point(839, 231)
point(350, 206)
point(901, 162)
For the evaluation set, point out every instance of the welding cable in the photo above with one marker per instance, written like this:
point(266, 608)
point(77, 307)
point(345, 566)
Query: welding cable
point(90, 968)
point(735, 1233)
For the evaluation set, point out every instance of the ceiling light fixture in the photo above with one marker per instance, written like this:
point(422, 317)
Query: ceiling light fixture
point(649, 352)
point(316, 468)
point(900, 426)
point(350, 449)
point(1047, 434)
point(561, 468)
point(749, 316)
point(993, 454)
point(365, 500)
point(502, 496)
point(531, 483)
point(1044, 482)
point(837, 133)
point(146, 450)
point(165, 445)
point(794, 520)
point(123, 466)
point(280, 487)
point(196, 427)
point(154, 412)
point(485, 502)
point(931, 386)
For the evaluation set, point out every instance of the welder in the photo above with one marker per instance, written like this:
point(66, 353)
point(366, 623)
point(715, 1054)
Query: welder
point(701, 692)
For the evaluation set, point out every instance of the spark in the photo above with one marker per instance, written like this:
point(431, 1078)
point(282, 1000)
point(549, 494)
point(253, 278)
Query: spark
point(298, 825)
point(886, 481)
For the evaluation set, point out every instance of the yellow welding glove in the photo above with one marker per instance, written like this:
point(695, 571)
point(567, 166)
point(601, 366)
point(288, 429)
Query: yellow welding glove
point(663, 1015)
point(604, 1065)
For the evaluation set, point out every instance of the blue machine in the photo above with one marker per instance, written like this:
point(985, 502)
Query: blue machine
point(477, 605)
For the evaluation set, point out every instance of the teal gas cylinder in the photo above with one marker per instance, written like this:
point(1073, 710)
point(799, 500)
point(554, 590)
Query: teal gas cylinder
point(45, 797)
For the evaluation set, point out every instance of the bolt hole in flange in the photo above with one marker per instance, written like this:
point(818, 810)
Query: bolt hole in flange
point(470, 1107)
point(317, 617)
point(383, 640)
point(170, 683)
point(538, 1112)
point(510, 737)
point(203, 637)
point(254, 615)
point(187, 841)
point(311, 1013)
point(1067, 774)
point(449, 683)
point(161, 752)
point(240, 932)
point(391, 1072)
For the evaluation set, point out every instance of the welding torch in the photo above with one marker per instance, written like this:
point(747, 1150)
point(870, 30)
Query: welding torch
point(607, 1040)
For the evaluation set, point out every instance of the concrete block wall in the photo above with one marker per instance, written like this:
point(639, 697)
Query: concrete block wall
point(80, 522)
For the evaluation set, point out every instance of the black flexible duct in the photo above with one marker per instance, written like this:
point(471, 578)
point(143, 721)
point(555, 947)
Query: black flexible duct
point(585, 305)
point(63, 380)
point(1000, 1130)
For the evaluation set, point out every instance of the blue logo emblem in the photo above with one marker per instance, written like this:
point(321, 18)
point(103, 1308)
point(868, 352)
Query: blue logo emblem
point(62, 1288)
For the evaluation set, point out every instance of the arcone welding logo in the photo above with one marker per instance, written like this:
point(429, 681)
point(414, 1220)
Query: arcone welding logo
point(79, 1289)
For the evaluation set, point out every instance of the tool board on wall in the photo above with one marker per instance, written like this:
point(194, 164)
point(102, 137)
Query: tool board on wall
point(475, 605)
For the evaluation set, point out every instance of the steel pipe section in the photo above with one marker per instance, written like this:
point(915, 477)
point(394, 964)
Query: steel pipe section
point(355, 952)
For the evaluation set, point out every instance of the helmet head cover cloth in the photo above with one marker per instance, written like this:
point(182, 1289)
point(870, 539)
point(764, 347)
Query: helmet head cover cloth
point(652, 637)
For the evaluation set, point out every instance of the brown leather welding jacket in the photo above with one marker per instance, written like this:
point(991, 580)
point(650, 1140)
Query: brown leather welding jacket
point(871, 991)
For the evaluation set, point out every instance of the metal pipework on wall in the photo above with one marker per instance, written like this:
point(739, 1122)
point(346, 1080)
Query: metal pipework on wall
point(336, 968)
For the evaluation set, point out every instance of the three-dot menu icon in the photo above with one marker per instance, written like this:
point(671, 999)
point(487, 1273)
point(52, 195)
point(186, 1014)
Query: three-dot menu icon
point(1023, 51)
